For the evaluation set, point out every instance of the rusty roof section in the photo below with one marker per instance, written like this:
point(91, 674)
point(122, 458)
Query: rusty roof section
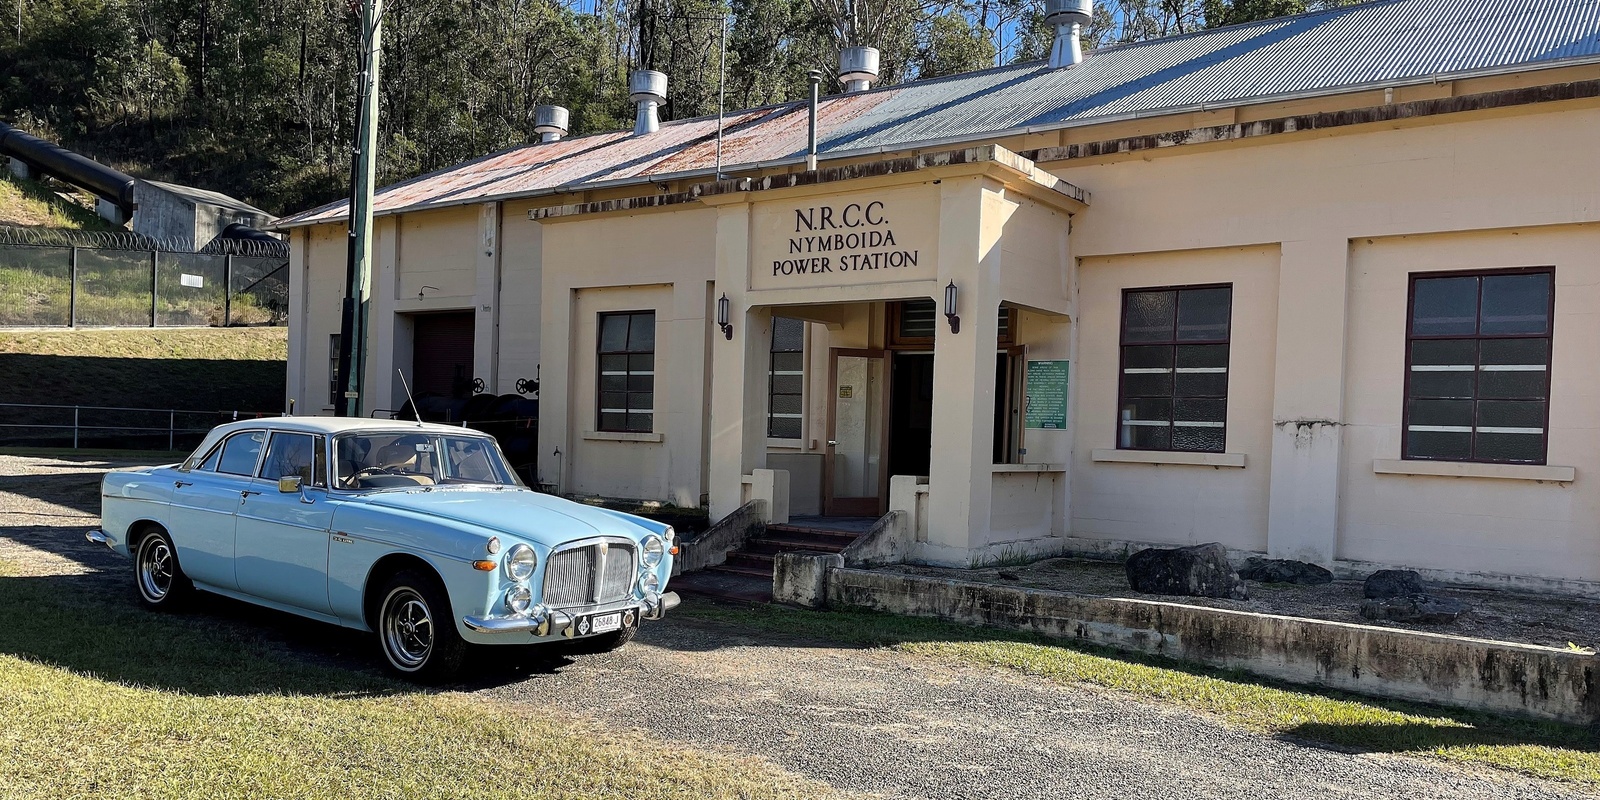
point(1383, 43)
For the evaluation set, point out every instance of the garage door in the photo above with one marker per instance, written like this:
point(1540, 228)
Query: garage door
point(441, 354)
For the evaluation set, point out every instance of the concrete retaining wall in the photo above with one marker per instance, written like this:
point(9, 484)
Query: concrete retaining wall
point(1479, 674)
point(711, 547)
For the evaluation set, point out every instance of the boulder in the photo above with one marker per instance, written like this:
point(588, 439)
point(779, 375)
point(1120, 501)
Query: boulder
point(1393, 583)
point(1418, 608)
point(1198, 571)
point(1281, 570)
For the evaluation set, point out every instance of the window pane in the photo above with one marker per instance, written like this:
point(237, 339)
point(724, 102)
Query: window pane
point(789, 362)
point(1205, 384)
point(1148, 437)
point(613, 332)
point(1147, 357)
point(1198, 440)
point(641, 383)
point(788, 335)
point(1147, 384)
point(642, 333)
point(1523, 352)
point(1149, 316)
point(1510, 447)
point(642, 363)
point(613, 383)
point(1511, 414)
point(639, 423)
point(616, 421)
point(640, 401)
point(1158, 409)
point(1203, 313)
point(289, 455)
point(1441, 413)
point(613, 400)
point(784, 428)
point(1445, 352)
point(1196, 409)
point(1516, 304)
point(787, 384)
point(1443, 384)
point(614, 364)
point(786, 404)
point(1450, 446)
point(1445, 306)
point(1203, 355)
point(240, 453)
point(1499, 384)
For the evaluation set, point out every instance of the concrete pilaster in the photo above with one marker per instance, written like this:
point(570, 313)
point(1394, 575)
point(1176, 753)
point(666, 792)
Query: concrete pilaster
point(738, 396)
point(960, 480)
point(299, 320)
point(1308, 400)
point(382, 382)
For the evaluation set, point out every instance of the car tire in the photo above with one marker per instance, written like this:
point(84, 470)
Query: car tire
point(157, 576)
point(604, 643)
point(416, 630)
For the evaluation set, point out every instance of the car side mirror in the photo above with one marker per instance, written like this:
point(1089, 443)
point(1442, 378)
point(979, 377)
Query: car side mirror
point(289, 484)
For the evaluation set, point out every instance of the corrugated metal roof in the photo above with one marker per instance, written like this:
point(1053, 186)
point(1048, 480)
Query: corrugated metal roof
point(1382, 42)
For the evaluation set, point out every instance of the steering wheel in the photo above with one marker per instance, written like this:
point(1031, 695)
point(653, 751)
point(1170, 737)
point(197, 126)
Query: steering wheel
point(355, 477)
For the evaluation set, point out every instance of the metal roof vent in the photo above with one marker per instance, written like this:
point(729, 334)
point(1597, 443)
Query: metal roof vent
point(858, 68)
point(649, 90)
point(550, 122)
point(1070, 18)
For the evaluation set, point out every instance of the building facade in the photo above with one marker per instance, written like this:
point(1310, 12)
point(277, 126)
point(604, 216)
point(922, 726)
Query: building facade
point(1343, 315)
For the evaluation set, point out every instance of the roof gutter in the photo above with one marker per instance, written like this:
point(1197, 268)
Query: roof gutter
point(966, 139)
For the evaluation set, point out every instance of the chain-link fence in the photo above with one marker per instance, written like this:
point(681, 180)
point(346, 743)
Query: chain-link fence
point(60, 279)
point(25, 425)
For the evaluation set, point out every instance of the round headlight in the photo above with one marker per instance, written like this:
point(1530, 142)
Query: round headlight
point(650, 584)
point(519, 599)
point(520, 561)
point(654, 549)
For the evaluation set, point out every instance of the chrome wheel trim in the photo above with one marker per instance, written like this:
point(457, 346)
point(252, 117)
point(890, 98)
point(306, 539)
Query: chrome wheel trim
point(156, 568)
point(407, 625)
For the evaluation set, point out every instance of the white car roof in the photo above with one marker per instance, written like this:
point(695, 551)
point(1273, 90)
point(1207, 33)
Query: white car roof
point(333, 425)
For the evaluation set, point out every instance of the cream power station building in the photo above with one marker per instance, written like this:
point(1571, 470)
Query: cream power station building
point(1324, 287)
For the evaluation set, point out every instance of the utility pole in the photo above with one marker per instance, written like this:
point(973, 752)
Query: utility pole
point(363, 168)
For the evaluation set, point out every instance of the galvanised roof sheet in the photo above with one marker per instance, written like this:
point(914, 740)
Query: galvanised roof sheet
point(1376, 43)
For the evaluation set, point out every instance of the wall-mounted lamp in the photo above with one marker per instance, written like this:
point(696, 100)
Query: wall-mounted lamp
point(950, 294)
point(722, 317)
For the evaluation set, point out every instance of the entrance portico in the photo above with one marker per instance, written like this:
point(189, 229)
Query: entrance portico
point(844, 246)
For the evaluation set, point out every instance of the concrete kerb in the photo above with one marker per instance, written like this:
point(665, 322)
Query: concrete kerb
point(1540, 682)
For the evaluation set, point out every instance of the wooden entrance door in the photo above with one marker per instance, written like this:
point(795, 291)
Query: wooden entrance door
point(855, 473)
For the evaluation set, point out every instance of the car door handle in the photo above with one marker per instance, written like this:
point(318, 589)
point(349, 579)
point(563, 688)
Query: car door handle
point(247, 493)
point(181, 484)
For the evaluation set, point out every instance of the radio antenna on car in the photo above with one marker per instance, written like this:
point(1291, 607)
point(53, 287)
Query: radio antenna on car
point(415, 412)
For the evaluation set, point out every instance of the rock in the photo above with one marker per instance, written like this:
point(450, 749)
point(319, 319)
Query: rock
point(1418, 608)
point(1007, 575)
point(1393, 583)
point(1280, 570)
point(1198, 571)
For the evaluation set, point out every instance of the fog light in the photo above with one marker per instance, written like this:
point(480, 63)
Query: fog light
point(650, 584)
point(519, 600)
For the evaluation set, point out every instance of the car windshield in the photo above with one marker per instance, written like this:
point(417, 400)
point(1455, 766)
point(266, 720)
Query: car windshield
point(381, 460)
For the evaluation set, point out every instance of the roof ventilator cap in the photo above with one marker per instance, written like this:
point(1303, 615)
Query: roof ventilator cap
point(858, 68)
point(1069, 17)
point(649, 90)
point(550, 122)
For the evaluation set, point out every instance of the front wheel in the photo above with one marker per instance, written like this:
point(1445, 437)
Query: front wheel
point(161, 582)
point(416, 631)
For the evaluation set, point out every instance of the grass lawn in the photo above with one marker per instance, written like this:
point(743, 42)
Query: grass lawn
point(1540, 749)
point(101, 699)
point(32, 204)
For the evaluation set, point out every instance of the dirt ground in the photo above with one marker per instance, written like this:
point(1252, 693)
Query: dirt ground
point(1548, 620)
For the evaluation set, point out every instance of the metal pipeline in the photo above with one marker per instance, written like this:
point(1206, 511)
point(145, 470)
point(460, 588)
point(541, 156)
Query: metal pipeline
point(65, 165)
point(811, 132)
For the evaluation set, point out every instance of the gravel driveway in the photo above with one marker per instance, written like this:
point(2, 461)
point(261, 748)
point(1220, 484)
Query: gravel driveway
point(878, 721)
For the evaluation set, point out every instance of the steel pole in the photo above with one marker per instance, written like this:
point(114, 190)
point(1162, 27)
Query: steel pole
point(358, 285)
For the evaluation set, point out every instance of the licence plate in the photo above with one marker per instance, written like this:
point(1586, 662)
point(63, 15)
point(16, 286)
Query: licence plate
point(605, 623)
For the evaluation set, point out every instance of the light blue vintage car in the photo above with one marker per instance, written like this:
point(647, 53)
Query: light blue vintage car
point(417, 531)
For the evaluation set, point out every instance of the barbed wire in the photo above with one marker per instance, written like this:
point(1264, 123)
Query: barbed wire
point(128, 240)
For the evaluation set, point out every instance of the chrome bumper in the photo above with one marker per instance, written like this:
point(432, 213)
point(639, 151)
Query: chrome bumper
point(98, 537)
point(557, 623)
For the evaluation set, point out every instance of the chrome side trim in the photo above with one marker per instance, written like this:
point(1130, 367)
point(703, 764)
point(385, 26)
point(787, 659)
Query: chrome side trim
point(550, 624)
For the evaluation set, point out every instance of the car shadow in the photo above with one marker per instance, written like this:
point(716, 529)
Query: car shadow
point(79, 491)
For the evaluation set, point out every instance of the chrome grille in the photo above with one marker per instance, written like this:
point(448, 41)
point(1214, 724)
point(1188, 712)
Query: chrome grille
point(599, 572)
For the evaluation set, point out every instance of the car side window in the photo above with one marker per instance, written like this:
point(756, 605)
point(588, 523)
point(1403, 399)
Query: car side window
point(210, 464)
point(240, 453)
point(294, 455)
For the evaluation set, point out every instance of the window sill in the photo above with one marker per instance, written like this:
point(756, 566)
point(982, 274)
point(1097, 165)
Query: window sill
point(1464, 469)
point(618, 436)
point(785, 444)
point(1169, 457)
point(1004, 468)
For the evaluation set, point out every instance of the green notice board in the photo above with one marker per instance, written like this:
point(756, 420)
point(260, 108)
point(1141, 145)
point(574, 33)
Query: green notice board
point(1047, 394)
